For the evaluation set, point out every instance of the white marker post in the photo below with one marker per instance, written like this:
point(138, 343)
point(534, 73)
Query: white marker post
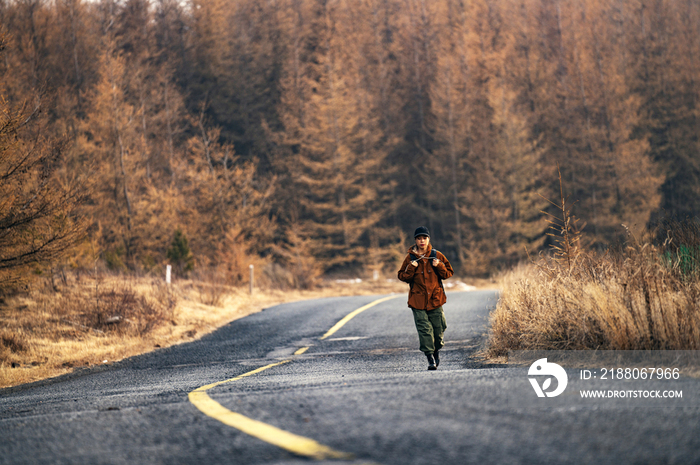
point(251, 279)
point(168, 271)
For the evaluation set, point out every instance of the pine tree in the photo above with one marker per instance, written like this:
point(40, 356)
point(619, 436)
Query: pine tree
point(179, 253)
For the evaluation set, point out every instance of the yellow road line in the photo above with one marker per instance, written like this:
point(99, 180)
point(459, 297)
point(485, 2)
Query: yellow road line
point(293, 443)
point(301, 351)
point(354, 313)
point(284, 439)
point(257, 370)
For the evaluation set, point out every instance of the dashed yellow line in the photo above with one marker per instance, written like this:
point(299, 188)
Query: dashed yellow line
point(257, 370)
point(353, 314)
point(301, 351)
point(291, 442)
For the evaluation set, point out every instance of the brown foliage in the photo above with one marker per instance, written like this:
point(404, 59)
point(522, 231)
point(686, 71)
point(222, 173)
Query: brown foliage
point(356, 121)
point(38, 210)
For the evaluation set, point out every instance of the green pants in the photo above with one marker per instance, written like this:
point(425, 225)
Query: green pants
point(431, 326)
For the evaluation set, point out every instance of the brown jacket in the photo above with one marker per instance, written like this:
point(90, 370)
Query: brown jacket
point(426, 292)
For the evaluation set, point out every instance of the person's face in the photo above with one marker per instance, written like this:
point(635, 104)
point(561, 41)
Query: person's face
point(422, 242)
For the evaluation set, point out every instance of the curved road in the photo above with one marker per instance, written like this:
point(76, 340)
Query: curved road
point(362, 393)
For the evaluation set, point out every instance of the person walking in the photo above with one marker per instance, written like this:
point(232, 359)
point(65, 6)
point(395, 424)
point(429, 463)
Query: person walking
point(423, 269)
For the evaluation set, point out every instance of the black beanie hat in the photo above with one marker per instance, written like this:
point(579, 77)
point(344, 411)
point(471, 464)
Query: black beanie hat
point(421, 231)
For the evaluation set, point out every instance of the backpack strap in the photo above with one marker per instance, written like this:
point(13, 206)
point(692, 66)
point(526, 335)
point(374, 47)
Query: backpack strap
point(433, 254)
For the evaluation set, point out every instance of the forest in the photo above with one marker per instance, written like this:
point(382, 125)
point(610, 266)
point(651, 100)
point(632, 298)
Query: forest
point(311, 137)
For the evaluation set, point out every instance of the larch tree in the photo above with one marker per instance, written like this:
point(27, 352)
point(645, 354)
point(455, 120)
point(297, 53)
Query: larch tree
point(416, 49)
point(226, 212)
point(336, 168)
point(375, 139)
point(521, 155)
point(74, 51)
point(451, 111)
point(39, 218)
point(158, 122)
point(109, 144)
point(621, 181)
point(663, 79)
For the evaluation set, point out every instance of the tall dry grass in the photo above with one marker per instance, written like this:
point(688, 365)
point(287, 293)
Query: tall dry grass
point(643, 295)
point(81, 322)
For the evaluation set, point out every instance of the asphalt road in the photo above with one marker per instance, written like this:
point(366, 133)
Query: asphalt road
point(364, 391)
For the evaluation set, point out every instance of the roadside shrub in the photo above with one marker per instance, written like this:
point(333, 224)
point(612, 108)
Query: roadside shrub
point(211, 286)
point(119, 309)
point(124, 311)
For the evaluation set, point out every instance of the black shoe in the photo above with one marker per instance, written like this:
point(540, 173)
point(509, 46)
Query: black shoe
point(431, 362)
point(436, 355)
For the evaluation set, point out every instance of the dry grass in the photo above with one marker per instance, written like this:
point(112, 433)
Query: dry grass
point(48, 332)
point(87, 321)
point(644, 296)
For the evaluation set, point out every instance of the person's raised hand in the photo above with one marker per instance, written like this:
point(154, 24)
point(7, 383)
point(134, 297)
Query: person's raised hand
point(436, 262)
point(414, 263)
